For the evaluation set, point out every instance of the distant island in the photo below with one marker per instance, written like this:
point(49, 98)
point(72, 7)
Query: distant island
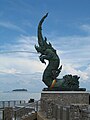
point(20, 90)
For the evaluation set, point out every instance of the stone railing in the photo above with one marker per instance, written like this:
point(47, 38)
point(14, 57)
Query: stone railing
point(51, 110)
point(11, 103)
point(8, 113)
point(23, 113)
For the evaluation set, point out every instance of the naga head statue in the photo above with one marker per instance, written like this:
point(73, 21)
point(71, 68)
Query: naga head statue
point(68, 82)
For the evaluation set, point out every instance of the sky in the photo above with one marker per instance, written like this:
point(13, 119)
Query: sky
point(67, 27)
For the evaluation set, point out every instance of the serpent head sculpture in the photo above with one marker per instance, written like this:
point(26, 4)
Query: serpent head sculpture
point(47, 53)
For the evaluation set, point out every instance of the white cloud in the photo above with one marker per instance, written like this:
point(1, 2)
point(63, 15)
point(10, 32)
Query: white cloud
point(85, 27)
point(73, 48)
point(74, 70)
point(9, 25)
point(71, 42)
point(21, 65)
point(22, 68)
point(24, 47)
point(26, 68)
point(9, 71)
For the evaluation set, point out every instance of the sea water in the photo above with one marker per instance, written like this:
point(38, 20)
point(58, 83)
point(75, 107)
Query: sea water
point(19, 95)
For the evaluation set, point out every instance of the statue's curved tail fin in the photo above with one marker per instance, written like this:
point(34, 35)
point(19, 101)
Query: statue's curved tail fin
point(40, 37)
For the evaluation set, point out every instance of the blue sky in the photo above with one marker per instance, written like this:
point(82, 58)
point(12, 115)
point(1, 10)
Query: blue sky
point(67, 27)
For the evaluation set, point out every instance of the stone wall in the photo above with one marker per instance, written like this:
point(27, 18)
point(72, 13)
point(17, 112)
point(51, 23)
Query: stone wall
point(76, 111)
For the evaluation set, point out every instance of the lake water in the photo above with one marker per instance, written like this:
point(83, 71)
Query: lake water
point(8, 96)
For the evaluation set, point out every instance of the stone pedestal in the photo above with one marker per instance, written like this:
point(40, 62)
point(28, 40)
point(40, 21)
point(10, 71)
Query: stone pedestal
point(66, 98)
point(64, 105)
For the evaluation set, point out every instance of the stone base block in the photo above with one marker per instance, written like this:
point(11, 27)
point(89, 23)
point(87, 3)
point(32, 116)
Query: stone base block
point(66, 98)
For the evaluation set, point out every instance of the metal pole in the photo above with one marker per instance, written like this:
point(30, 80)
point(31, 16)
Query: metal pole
point(15, 115)
point(8, 103)
point(37, 106)
point(3, 102)
point(3, 114)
